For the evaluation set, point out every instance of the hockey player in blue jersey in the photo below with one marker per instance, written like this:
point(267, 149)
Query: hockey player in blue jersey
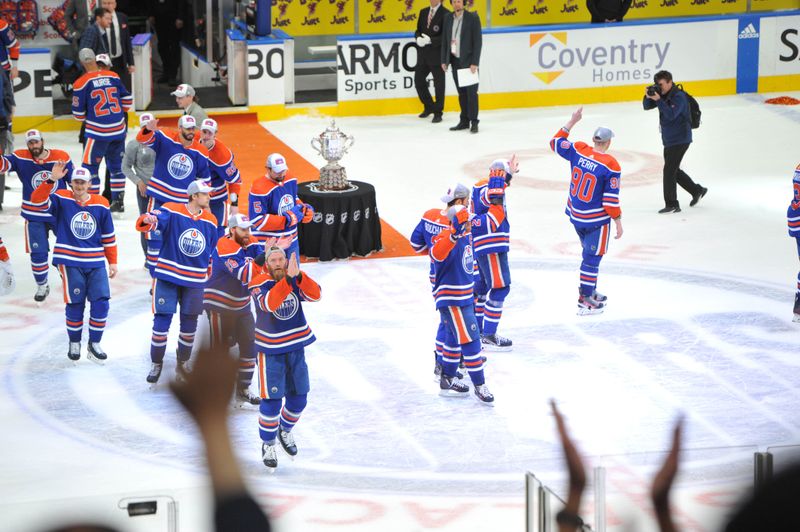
point(226, 298)
point(101, 102)
point(592, 205)
point(453, 292)
point(225, 177)
point(282, 335)
point(180, 159)
point(189, 233)
point(85, 241)
point(490, 240)
point(34, 165)
point(433, 222)
point(793, 215)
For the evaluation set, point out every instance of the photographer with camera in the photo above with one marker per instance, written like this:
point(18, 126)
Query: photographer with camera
point(676, 134)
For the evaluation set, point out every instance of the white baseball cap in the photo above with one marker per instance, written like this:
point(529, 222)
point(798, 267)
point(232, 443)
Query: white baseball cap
point(239, 220)
point(602, 134)
point(209, 124)
point(277, 163)
point(103, 58)
point(33, 134)
point(457, 191)
point(81, 174)
point(198, 187)
point(183, 90)
point(145, 118)
point(187, 122)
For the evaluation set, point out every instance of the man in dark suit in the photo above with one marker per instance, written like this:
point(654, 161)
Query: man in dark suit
point(429, 51)
point(119, 48)
point(96, 36)
point(461, 48)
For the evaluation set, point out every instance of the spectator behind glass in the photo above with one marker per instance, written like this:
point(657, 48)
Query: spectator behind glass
point(607, 10)
point(206, 395)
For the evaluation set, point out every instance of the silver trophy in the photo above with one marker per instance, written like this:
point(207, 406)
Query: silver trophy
point(332, 144)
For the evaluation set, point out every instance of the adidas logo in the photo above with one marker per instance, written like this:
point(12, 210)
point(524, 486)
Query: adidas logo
point(749, 32)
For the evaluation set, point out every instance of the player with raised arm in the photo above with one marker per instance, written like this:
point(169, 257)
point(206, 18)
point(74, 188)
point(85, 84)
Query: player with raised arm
point(225, 178)
point(101, 101)
point(592, 205)
point(180, 160)
point(33, 165)
point(793, 215)
point(189, 232)
point(491, 242)
point(274, 207)
point(282, 334)
point(84, 242)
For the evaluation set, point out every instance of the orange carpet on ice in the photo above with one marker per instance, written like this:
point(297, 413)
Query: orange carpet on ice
point(251, 143)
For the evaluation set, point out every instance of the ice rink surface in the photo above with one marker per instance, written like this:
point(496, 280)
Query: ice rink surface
point(698, 322)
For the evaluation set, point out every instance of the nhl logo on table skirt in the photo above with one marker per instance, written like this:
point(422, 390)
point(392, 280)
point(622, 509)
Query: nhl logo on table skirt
point(180, 166)
point(39, 178)
point(288, 308)
point(83, 225)
point(466, 260)
point(192, 242)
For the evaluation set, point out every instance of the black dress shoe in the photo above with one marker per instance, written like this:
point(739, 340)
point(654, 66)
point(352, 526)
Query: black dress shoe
point(459, 126)
point(668, 210)
point(697, 196)
point(474, 128)
point(436, 119)
point(425, 114)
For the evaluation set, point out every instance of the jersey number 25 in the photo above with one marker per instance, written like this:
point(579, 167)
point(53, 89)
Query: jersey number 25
point(107, 101)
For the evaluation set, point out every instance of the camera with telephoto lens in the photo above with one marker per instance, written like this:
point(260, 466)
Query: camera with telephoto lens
point(652, 90)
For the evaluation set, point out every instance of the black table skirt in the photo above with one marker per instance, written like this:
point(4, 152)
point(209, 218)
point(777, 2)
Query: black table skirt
point(344, 224)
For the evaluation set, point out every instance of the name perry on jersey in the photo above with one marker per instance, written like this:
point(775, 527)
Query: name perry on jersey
point(586, 163)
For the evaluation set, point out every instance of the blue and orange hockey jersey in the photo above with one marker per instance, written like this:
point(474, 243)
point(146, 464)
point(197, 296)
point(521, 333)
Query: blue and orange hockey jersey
point(9, 45)
point(32, 173)
point(176, 166)
point(100, 101)
point(793, 213)
point(281, 325)
point(433, 222)
point(84, 231)
point(225, 176)
point(454, 269)
point(268, 201)
point(232, 269)
point(490, 227)
point(594, 187)
point(188, 240)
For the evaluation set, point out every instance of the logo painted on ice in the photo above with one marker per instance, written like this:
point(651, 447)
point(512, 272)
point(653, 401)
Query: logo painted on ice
point(466, 260)
point(83, 225)
point(288, 308)
point(192, 242)
point(285, 204)
point(39, 178)
point(180, 166)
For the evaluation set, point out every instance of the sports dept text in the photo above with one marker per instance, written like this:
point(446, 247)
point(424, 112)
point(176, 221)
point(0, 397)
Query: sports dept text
point(370, 59)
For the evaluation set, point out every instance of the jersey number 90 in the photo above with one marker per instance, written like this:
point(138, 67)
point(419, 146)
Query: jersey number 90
point(582, 185)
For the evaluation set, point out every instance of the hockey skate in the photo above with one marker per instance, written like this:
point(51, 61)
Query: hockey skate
point(244, 397)
point(599, 297)
point(96, 354)
point(269, 456)
point(155, 373)
point(287, 442)
point(796, 318)
point(118, 205)
point(437, 373)
point(181, 370)
point(588, 305)
point(74, 352)
point(452, 387)
point(495, 342)
point(483, 395)
point(42, 291)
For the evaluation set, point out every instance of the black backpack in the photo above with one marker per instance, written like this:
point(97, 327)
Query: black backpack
point(694, 109)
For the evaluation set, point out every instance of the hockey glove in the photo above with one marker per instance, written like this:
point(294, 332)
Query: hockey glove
point(291, 219)
point(496, 188)
point(308, 213)
point(459, 219)
point(7, 281)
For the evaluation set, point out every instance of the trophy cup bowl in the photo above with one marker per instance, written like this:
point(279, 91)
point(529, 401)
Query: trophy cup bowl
point(332, 144)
